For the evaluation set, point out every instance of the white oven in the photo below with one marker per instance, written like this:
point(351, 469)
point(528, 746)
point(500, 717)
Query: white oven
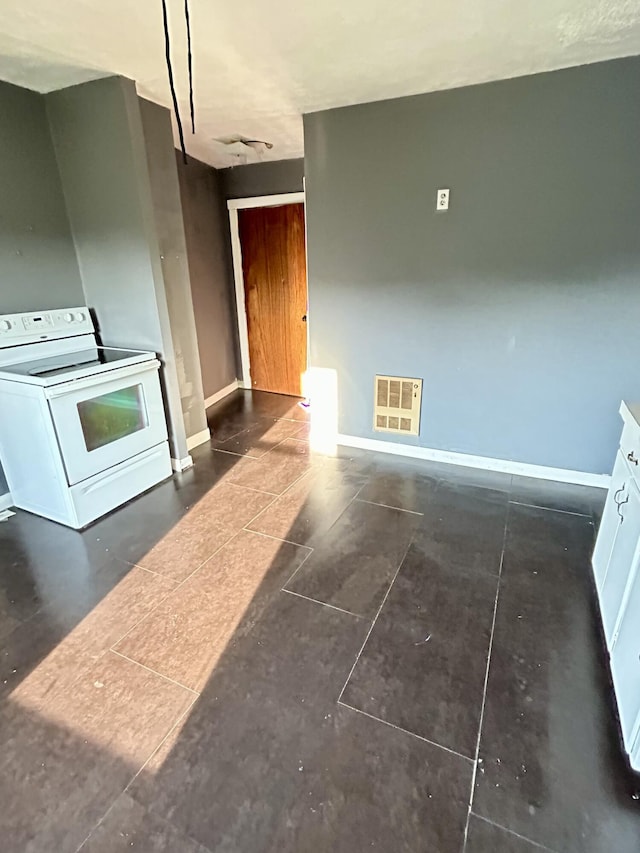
point(102, 421)
point(82, 427)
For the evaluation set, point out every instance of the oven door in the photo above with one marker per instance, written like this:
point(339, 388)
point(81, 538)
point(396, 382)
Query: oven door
point(106, 419)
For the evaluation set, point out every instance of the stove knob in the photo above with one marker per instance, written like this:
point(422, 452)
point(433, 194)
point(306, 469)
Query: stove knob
point(5, 325)
point(68, 318)
point(80, 317)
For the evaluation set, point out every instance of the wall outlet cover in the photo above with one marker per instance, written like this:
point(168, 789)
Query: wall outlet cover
point(442, 200)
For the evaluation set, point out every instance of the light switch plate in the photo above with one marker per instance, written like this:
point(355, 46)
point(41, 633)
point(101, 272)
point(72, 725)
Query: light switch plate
point(442, 200)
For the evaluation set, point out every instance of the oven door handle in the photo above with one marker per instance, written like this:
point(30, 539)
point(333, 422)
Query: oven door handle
point(117, 373)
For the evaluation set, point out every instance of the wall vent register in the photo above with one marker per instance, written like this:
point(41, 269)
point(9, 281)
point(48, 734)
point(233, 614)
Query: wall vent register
point(397, 405)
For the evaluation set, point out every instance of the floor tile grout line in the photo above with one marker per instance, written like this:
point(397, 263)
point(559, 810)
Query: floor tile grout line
point(153, 752)
point(375, 619)
point(238, 486)
point(551, 509)
point(155, 672)
point(321, 603)
point(295, 571)
point(191, 574)
point(175, 589)
point(277, 538)
point(138, 772)
point(144, 616)
point(486, 679)
point(388, 506)
point(513, 832)
point(251, 488)
point(405, 731)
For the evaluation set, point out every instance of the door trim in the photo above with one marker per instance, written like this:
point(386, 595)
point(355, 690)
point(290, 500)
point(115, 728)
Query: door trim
point(234, 205)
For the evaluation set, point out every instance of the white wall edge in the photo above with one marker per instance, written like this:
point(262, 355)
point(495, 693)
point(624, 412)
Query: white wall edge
point(265, 200)
point(221, 394)
point(506, 466)
point(180, 465)
point(198, 439)
point(5, 501)
point(241, 311)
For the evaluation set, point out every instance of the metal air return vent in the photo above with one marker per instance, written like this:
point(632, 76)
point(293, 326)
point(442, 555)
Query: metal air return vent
point(397, 405)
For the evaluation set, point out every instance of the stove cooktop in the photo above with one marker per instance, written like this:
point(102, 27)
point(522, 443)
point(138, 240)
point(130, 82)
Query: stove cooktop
point(73, 365)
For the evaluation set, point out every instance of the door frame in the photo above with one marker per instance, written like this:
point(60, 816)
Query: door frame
point(233, 206)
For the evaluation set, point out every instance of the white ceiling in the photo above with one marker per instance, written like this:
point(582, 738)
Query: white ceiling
point(260, 64)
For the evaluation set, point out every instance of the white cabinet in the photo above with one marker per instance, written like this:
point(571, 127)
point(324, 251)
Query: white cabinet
point(610, 522)
point(616, 568)
point(625, 511)
point(625, 663)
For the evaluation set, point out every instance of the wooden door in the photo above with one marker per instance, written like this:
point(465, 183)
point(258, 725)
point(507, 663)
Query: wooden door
point(275, 288)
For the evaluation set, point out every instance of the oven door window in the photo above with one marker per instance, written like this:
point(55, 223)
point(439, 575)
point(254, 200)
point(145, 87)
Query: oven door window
point(112, 416)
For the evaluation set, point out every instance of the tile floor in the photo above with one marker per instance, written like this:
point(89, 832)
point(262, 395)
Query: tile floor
point(279, 651)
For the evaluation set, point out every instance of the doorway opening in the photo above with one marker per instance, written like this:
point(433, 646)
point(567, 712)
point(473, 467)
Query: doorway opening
point(270, 273)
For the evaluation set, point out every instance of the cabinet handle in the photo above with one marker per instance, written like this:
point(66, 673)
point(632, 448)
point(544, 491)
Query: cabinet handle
point(621, 502)
point(632, 458)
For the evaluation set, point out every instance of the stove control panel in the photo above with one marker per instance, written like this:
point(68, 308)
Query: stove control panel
point(34, 326)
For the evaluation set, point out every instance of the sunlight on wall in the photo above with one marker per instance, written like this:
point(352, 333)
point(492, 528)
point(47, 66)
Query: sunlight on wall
point(320, 386)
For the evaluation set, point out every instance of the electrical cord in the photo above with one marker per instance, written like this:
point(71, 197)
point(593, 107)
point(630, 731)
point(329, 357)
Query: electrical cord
point(190, 65)
point(167, 48)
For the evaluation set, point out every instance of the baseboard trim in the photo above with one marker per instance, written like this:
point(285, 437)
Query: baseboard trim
point(199, 438)
point(180, 465)
point(221, 394)
point(5, 501)
point(524, 469)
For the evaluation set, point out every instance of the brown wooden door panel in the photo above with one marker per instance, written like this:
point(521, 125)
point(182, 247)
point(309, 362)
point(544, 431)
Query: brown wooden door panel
point(275, 287)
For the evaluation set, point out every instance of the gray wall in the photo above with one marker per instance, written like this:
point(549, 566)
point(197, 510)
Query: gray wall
point(100, 148)
point(38, 267)
point(519, 307)
point(206, 225)
point(165, 192)
point(269, 178)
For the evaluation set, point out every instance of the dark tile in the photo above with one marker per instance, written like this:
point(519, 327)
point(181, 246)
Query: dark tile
point(355, 561)
point(479, 477)
point(128, 825)
point(72, 735)
point(551, 767)
point(276, 470)
point(268, 762)
point(308, 509)
point(209, 469)
point(185, 636)
point(133, 530)
point(485, 837)
point(203, 529)
point(280, 406)
point(42, 562)
point(402, 486)
point(80, 624)
point(563, 496)
point(423, 666)
point(463, 528)
point(259, 439)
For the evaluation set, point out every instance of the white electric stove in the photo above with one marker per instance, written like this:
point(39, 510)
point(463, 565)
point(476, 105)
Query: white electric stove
point(82, 427)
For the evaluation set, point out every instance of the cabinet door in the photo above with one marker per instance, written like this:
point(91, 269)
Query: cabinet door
point(621, 559)
point(610, 522)
point(625, 663)
point(635, 755)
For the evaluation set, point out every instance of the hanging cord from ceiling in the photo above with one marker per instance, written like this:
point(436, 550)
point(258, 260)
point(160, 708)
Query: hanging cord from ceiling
point(167, 50)
point(190, 64)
